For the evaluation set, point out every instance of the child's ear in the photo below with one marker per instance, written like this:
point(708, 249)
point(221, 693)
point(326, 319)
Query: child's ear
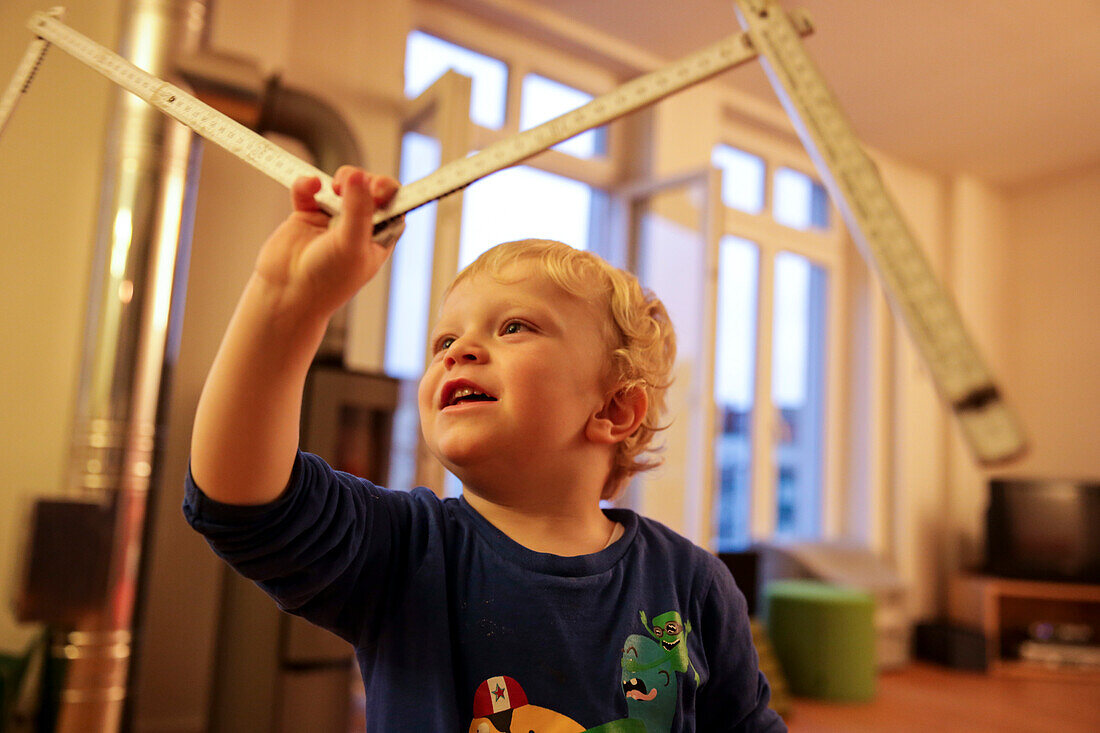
point(620, 416)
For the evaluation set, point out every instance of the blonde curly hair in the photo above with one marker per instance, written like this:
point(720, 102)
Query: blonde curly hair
point(639, 334)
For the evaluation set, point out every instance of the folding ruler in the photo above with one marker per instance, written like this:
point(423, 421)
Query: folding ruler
point(851, 177)
point(875, 222)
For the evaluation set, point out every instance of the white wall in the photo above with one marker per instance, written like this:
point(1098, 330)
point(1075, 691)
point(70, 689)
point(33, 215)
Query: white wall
point(1052, 303)
point(50, 158)
point(914, 524)
point(977, 276)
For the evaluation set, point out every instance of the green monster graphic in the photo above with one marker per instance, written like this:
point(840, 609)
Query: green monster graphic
point(626, 725)
point(649, 684)
point(671, 633)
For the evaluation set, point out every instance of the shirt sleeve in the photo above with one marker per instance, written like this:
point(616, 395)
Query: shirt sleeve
point(736, 695)
point(332, 548)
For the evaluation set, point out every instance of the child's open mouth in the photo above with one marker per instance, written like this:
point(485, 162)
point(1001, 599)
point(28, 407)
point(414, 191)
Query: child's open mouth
point(459, 393)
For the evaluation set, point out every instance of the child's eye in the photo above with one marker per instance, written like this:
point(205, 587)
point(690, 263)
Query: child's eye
point(513, 327)
point(443, 343)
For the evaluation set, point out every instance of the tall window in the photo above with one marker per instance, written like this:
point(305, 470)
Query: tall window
point(558, 195)
point(775, 262)
point(516, 203)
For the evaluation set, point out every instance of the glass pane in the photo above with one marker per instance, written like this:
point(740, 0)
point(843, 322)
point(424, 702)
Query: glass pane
point(742, 178)
point(735, 349)
point(410, 282)
point(523, 202)
point(428, 57)
point(800, 201)
point(798, 393)
point(544, 99)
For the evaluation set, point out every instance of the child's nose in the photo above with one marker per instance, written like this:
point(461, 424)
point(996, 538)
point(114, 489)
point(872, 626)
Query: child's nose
point(464, 350)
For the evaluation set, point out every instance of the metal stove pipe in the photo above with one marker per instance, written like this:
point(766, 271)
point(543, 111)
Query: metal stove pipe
point(132, 332)
point(135, 313)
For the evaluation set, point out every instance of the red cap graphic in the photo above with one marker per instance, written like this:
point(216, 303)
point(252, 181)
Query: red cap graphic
point(497, 694)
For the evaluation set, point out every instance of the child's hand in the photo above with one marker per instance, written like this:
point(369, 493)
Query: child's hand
point(316, 268)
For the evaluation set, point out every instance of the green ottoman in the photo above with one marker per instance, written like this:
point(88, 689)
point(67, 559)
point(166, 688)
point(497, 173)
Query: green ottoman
point(824, 638)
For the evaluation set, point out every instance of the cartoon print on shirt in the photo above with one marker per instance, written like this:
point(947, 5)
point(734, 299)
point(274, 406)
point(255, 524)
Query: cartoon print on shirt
point(649, 683)
point(649, 667)
point(500, 706)
point(670, 631)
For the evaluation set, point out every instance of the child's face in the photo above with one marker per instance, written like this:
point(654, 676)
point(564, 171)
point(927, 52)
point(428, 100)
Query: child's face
point(535, 361)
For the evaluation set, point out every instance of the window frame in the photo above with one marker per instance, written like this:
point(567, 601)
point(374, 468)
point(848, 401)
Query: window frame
point(855, 498)
point(829, 249)
point(524, 57)
point(598, 173)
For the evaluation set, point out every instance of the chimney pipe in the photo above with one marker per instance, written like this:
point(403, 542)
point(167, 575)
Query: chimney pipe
point(131, 335)
point(147, 206)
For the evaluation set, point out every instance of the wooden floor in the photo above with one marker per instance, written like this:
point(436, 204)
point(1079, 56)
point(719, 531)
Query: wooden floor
point(924, 697)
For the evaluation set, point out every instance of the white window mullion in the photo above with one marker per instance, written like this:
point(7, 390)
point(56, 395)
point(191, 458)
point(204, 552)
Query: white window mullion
point(514, 98)
point(833, 495)
point(820, 247)
point(763, 493)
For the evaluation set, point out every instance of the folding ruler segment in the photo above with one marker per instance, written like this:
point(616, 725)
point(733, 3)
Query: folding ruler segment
point(24, 73)
point(878, 227)
point(851, 177)
point(285, 168)
point(220, 129)
point(631, 96)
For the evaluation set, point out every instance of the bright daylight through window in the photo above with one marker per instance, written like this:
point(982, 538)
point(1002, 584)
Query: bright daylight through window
point(794, 380)
point(511, 204)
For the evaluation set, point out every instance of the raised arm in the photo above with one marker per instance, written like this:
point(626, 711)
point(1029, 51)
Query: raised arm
point(246, 428)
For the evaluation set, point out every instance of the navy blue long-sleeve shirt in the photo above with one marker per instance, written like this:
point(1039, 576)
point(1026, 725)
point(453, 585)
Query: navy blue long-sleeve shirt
point(457, 627)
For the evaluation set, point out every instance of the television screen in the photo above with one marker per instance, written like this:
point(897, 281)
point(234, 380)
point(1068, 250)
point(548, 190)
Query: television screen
point(1044, 529)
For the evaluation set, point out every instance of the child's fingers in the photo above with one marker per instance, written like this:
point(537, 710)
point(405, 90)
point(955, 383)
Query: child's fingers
point(362, 193)
point(341, 176)
point(389, 235)
point(358, 204)
point(382, 189)
point(302, 193)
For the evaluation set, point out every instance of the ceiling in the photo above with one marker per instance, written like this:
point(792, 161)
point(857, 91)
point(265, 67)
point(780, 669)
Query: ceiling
point(1008, 90)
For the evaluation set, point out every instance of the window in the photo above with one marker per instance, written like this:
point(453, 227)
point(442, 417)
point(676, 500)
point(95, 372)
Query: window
point(558, 195)
point(508, 205)
point(544, 99)
point(742, 178)
point(427, 57)
point(525, 193)
point(734, 386)
point(407, 327)
point(800, 201)
point(775, 263)
point(798, 381)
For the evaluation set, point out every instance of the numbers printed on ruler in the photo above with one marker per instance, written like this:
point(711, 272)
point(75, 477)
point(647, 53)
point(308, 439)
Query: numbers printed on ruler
point(284, 167)
point(220, 129)
point(851, 176)
point(876, 222)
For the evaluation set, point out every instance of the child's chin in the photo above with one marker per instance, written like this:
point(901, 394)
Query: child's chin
point(459, 457)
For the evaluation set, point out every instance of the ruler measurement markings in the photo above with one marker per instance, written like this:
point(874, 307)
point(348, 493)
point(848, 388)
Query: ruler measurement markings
point(876, 220)
point(24, 74)
point(888, 242)
point(181, 106)
point(903, 265)
point(632, 95)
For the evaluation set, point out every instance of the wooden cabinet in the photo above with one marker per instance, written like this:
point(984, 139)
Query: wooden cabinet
point(1004, 609)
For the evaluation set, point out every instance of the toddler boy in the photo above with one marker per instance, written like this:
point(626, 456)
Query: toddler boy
point(521, 605)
